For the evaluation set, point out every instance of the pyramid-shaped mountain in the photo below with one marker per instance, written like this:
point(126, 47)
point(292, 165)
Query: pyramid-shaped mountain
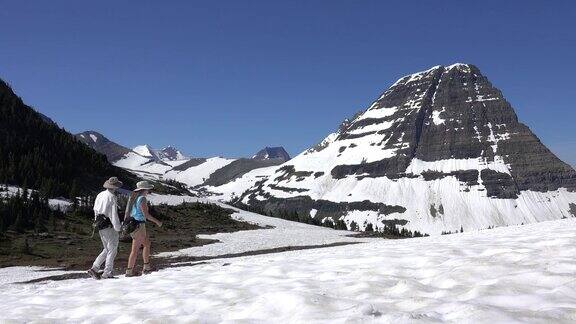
point(440, 150)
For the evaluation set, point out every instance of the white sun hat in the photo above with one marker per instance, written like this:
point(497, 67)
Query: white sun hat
point(144, 185)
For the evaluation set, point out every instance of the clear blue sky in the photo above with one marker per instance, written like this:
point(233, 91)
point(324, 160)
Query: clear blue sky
point(229, 77)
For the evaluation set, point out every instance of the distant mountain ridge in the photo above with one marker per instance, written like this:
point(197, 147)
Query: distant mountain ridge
point(170, 163)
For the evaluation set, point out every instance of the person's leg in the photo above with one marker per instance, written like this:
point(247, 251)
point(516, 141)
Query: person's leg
point(102, 256)
point(146, 248)
point(137, 241)
point(112, 248)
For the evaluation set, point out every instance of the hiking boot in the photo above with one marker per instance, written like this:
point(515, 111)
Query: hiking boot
point(94, 274)
point(108, 276)
point(146, 269)
point(130, 273)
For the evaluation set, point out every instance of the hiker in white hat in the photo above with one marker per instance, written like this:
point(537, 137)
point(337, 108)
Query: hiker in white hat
point(107, 223)
point(138, 207)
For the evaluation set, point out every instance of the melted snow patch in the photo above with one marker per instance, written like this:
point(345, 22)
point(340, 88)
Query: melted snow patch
point(436, 117)
point(481, 98)
point(313, 213)
point(418, 166)
point(376, 113)
point(374, 127)
point(59, 204)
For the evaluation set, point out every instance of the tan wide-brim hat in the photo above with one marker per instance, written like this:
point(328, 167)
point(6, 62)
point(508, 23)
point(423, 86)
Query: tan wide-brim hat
point(144, 185)
point(112, 183)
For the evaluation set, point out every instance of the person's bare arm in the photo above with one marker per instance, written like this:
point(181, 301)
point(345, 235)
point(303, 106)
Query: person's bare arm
point(144, 206)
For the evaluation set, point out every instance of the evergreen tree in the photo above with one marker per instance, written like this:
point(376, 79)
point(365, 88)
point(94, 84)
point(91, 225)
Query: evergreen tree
point(354, 226)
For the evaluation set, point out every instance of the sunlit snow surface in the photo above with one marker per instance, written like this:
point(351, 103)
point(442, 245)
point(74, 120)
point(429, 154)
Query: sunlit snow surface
point(514, 274)
point(278, 233)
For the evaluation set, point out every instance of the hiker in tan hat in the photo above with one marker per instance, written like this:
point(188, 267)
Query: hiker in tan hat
point(107, 223)
point(138, 207)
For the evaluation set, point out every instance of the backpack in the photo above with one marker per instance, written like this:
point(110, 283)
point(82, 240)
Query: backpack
point(101, 222)
point(129, 225)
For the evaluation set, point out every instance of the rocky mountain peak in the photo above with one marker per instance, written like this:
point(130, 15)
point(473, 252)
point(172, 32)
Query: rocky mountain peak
point(270, 153)
point(101, 144)
point(171, 153)
point(93, 136)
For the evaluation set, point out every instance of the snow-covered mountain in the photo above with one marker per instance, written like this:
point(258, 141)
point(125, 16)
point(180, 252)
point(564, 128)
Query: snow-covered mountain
point(168, 153)
point(270, 153)
point(145, 151)
point(440, 150)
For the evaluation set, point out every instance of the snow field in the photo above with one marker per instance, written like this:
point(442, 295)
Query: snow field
point(138, 163)
point(197, 175)
point(20, 274)
point(514, 274)
point(239, 185)
point(282, 234)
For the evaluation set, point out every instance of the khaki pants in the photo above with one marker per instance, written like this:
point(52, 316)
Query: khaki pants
point(109, 239)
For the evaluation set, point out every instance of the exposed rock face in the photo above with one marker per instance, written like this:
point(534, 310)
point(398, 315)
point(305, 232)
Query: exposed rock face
point(189, 164)
point(443, 137)
point(103, 145)
point(238, 168)
point(272, 153)
point(171, 154)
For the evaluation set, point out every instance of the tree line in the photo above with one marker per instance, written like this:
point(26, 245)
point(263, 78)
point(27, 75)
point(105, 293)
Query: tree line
point(35, 153)
point(338, 224)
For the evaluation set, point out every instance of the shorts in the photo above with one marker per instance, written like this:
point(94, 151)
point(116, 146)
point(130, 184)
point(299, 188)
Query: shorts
point(140, 231)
